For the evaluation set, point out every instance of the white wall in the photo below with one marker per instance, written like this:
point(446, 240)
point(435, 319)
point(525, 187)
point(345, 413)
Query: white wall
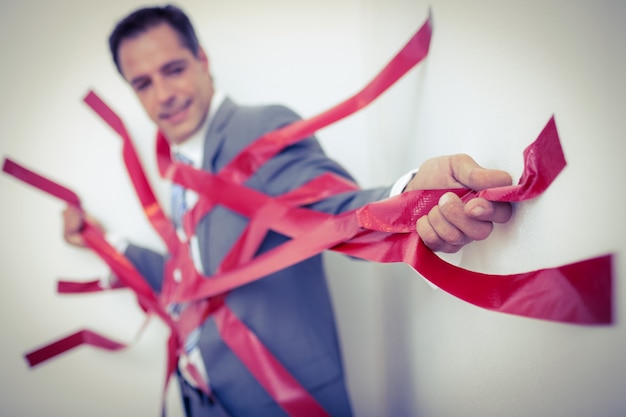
point(495, 75)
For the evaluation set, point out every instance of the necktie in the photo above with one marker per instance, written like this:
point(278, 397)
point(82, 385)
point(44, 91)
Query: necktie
point(178, 197)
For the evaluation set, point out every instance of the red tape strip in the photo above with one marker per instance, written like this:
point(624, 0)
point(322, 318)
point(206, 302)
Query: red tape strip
point(82, 337)
point(71, 287)
point(44, 184)
point(262, 364)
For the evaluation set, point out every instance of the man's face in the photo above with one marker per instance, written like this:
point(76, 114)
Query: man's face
point(173, 85)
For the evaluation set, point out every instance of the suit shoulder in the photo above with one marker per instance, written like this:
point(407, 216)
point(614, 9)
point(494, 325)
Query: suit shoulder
point(269, 116)
point(246, 123)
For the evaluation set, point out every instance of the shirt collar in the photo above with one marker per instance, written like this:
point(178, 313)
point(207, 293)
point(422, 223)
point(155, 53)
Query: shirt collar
point(193, 148)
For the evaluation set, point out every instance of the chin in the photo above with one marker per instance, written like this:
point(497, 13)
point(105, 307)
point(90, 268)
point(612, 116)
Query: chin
point(176, 135)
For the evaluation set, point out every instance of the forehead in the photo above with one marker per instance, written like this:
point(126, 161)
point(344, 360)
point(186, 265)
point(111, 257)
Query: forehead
point(150, 50)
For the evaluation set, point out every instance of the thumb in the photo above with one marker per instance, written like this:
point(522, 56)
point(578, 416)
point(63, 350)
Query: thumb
point(471, 175)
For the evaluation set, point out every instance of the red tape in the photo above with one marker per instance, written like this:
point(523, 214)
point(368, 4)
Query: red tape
point(82, 337)
point(71, 287)
point(267, 370)
point(44, 184)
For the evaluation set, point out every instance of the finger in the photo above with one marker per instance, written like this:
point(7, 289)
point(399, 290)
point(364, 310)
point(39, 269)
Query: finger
point(485, 210)
point(446, 229)
point(453, 215)
point(75, 239)
point(470, 174)
point(73, 222)
point(431, 239)
point(439, 232)
point(73, 219)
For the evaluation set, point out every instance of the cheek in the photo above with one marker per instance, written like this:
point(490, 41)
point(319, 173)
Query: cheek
point(150, 107)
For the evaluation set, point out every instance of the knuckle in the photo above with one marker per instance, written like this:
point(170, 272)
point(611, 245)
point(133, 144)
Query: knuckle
point(423, 228)
point(427, 233)
point(462, 158)
point(452, 236)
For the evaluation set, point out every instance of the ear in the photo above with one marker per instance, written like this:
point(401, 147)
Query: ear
point(203, 58)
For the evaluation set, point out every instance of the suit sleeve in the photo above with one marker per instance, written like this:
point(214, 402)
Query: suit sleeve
point(149, 263)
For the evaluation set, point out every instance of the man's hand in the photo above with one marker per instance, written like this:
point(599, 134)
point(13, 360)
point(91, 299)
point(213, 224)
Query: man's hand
point(73, 223)
point(452, 224)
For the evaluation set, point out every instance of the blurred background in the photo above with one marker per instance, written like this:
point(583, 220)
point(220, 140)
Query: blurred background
point(496, 72)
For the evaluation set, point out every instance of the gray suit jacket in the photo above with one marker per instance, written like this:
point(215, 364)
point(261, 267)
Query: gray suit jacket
point(290, 311)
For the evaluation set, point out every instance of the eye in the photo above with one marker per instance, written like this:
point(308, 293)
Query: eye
point(140, 86)
point(141, 83)
point(176, 70)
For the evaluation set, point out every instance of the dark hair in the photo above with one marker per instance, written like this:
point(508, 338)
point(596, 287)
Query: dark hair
point(141, 20)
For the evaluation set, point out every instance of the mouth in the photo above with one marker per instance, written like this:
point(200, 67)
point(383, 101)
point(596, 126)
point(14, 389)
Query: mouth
point(176, 115)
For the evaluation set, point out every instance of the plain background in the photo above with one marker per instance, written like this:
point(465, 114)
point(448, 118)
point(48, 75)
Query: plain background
point(496, 73)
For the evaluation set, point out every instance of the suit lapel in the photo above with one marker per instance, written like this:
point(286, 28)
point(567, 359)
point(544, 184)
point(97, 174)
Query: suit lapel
point(216, 136)
point(213, 143)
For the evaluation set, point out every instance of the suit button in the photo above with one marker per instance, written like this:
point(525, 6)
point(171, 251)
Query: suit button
point(178, 275)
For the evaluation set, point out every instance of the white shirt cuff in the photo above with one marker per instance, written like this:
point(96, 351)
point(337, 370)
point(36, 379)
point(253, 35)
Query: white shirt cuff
point(401, 183)
point(118, 242)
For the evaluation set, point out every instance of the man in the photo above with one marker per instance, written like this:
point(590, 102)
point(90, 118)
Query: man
point(156, 51)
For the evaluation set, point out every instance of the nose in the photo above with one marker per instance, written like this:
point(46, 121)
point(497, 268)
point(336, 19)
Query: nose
point(164, 92)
